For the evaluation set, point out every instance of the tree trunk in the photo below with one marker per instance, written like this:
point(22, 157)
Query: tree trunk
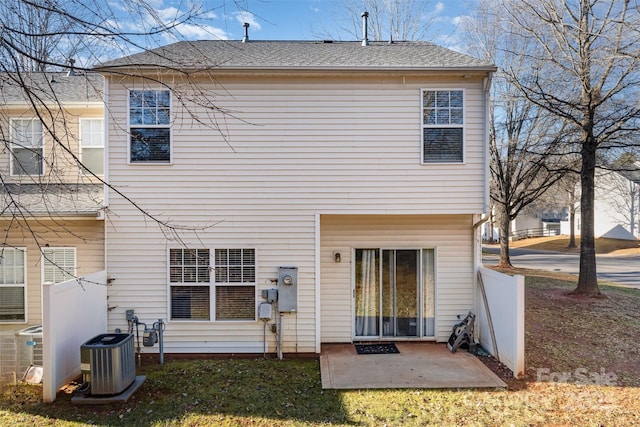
point(572, 220)
point(505, 260)
point(632, 219)
point(588, 279)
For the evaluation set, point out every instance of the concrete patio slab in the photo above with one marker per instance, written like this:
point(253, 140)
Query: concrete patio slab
point(418, 365)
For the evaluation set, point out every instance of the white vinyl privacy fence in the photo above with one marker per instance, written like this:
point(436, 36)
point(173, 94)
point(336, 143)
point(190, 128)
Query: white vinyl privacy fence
point(72, 313)
point(500, 318)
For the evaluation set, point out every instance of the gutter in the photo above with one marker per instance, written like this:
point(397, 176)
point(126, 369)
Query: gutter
point(180, 68)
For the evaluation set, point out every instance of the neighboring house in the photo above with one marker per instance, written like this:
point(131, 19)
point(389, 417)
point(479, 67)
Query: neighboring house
point(617, 204)
point(534, 223)
point(51, 213)
point(616, 209)
point(360, 168)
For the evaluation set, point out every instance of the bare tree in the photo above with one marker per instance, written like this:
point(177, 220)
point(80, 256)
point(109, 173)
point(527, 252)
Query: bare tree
point(41, 41)
point(586, 72)
point(389, 20)
point(568, 186)
point(526, 157)
point(21, 21)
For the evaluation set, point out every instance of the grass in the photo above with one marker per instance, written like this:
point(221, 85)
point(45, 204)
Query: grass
point(583, 368)
point(561, 244)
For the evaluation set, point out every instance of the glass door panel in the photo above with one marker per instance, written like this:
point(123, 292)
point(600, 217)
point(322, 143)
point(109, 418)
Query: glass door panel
point(428, 293)
point(394, 293)
point(400, 271)
point(367, 291)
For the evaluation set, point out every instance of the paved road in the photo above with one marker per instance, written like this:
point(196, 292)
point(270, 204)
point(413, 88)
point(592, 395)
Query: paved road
point(619, 269)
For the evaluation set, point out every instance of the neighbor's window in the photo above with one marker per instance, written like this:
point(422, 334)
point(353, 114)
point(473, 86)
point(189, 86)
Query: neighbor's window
point(26, 147)
point(189, 277)
point(12, 284)
point(58, 264)
point(150, 136)
point(235, 284)
point(92, 145)
point(442, 126)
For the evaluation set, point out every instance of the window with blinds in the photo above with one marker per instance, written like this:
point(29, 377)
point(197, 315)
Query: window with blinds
point(442, 126)
point(58, 264)
point(189, 275)
point(12, 284)
point(235, 284)
point(149, 126)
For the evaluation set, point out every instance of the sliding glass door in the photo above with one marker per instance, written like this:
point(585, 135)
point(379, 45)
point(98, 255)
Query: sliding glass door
point(394, 293)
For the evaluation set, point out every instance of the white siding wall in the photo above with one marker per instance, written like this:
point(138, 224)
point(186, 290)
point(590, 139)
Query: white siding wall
point(450, 236)
point(293, 148)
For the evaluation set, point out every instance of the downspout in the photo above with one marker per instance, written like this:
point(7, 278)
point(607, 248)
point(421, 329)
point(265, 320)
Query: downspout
point(486, 86)
point(477, 263)
point(477, 236)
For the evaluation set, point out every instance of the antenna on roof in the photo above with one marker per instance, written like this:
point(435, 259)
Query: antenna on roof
point(246, 32)
point(365, 39)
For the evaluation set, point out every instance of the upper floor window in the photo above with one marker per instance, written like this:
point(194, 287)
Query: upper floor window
point(92, 145)
point(12, 284)
point(26, 147)
point(58, 264)
point(442, 126)
point(149, 127)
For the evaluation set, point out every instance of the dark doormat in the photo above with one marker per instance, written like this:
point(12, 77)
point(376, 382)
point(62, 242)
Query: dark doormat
point(377, 348)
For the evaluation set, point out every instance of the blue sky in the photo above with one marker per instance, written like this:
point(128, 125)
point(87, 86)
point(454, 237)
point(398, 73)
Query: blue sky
point(299, 19)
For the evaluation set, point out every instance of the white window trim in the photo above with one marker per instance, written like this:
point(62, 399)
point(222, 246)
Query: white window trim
point(203, 284)
point(24, 286)
point(212, 284)
point(463, 126)
point(81, 147)
point(54, 248)
point(11, 120)
point(129, 126)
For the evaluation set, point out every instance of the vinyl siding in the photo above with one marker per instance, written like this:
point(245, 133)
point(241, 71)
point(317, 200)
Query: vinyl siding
point(61, 132)
point(87, 236)
point(449, 235)
point(287, 150)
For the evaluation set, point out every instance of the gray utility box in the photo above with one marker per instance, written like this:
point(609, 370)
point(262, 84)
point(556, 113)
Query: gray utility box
point(107, 362)
point(287, 289)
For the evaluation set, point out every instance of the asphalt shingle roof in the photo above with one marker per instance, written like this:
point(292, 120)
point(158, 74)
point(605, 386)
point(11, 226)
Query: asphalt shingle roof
point(321, 55)
point(52, 199)
point(50, 88)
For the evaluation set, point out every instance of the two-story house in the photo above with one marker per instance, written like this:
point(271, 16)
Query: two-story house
point(51, 208)
point(349, 176)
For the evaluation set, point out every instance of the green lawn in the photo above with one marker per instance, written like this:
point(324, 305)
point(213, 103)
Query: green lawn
point(591, 341)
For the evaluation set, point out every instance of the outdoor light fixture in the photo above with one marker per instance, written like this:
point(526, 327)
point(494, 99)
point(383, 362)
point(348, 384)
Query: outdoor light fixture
point(337, 257)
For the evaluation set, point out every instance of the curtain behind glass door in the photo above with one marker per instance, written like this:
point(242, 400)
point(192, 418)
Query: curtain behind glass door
point(367, 292)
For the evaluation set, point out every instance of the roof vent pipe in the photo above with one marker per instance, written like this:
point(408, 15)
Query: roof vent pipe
point(71, 71)
point(246, 32)
point(365, 39)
